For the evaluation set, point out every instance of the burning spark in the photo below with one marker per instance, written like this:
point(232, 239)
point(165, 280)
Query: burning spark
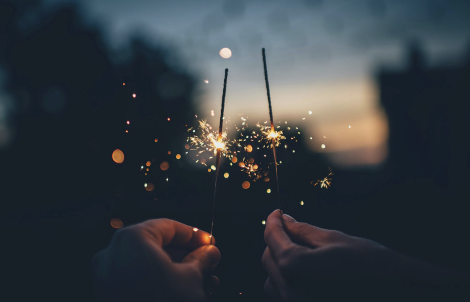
point(325, 182)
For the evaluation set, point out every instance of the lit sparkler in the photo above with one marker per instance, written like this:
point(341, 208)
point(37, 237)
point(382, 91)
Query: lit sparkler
point(219, 146)
point(273, 133)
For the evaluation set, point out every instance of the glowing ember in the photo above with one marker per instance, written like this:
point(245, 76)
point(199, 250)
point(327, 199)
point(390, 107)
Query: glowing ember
point(134, 95)
point(195, 229)
point(302, 203)
point(325, 182)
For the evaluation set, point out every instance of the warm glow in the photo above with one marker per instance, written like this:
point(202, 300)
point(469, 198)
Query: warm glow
point(266, 179)
point(148, 163)
point(128, 122)
point(302, 203)
point(149, 187)
point(263, 222)
point(249, 148)
point(116, 223)
point(123, 84)
point(178, 156)
point(219, 145)
point(186, 147)
point(213, 167)
point(234, 159)
point(195, 229)
point(268, 191)
point(246, 185)
point(241, 164)
point(273, 134)
point(134, 95)
point(169, 152)
point(127, 131)
point(118, 156)
point(206, 81)
point(323, 146)
point(225, 53)
point(156, 140)
point(226, 175)
point(212, 113)
point(168, 119)
point(164, 166)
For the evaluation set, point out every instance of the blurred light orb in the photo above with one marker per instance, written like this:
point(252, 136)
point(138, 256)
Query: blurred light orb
point(156, 140)
point(145, 185)
point(266, 179)
point(246, 184)
point(213, 167)
point(186, 147)
point(148, 163)
point(150, 187)
point(168, 119)
point(134, 95)
point(178, 156)
point(206, 81)
point(127, 131)
point(128, 122)
point(234, 159)
point(323, 146)
point(212, 113)
point(349, 126)
point(268, 191)
point(123, 84)
point(118, 156)
point(310, 112)
point(249, 148)
point(226, 175)
point(302, 203)
point(116, 223)
point(169, 152)
point(225, 53)
point(164, 166)
point(263, 222)
point(195, 229)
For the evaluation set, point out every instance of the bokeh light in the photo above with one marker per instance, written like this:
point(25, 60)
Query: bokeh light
point(164, 166)
point(249, 148)
point(148, 163)
point(116, 223)
point(246, 184)
point(134, 95)
point(150, 187)
point(225, 53)
point(118, 156)
point(268, 191)
point(302, 203)
point(226, 175)
point(263, 222)
point(178, 156)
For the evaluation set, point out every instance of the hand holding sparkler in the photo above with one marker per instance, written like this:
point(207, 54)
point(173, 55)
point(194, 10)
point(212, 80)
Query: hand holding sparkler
point(157, 260)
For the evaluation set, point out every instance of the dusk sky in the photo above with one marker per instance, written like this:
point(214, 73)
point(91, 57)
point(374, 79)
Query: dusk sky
point(321, 56)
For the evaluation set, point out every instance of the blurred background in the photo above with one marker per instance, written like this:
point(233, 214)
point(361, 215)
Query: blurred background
point(96, 98)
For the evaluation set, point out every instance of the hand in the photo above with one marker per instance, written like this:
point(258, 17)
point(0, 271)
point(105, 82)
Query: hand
point(305, 262)
point(157, 260)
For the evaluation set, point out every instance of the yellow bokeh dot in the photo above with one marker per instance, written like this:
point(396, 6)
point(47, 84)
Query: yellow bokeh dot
point(268, 191)
point(116, 223)
point(302, 203)
point(213, 167)
point(234, 159)
point(263, 222)
point(225, 53)
point(118, 156)
point(164, 166)
point(156, 140)
point(226, 175)
point(249, 148)
point(246, 184)
point(178, 156)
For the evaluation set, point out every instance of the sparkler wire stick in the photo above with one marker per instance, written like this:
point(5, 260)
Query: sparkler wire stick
point(272, 125)
point(219, 150)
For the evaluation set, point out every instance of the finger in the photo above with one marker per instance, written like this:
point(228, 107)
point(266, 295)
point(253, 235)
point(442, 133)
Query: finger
point(275, 236)
point(205, 258)
point(272, 269)
point(212, 284)
point(304, 233)
point(271, 290)
point(166, 232)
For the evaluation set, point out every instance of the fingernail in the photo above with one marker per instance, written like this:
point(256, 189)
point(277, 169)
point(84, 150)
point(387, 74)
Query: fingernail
point(288, 218)
point(213, 253)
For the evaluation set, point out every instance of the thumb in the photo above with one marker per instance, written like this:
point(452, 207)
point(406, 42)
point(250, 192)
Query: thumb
point(304, 233)
point(205, 258)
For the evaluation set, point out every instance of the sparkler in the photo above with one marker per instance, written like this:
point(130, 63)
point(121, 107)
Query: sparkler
point(219, 145)
point(273, 134)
